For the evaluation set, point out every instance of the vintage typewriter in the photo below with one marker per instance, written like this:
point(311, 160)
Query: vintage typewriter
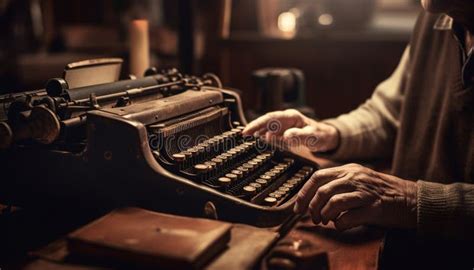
point(167, 142)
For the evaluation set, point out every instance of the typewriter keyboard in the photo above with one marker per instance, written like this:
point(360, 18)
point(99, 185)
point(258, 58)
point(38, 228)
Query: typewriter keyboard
point(244, 167)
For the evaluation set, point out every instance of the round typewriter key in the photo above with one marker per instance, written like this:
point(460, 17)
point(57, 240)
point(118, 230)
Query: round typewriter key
point(271, 174)
point(308, 169)
point(305, 173)
point(266, 177)
point(236, 130)
point(256, 185)
point(275, 195)
point(231, 176)
point(258, 161)
point(276, 171)
point(240, 127)
point(281, 168)
point(224, 181)
point(201, 168)
point(193, 151)
point(299, 175)
point(282, 193)
point(249, 190)
point(248, 166)
point(179, 157)
point(288, 185)
point(269, 201)
point(262, 157)
point(284, 189)
point(289, 161)
point(253, 163)
point(211, 164)
point(261, 181)
point(187, 154)
point(293, 181)
point(238, 173)
point(218, 161)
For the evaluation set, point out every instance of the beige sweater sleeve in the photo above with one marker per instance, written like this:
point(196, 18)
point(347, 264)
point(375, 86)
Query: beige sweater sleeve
point(369, 131)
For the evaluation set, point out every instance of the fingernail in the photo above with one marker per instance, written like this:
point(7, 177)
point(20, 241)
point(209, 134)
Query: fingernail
point(296, 208)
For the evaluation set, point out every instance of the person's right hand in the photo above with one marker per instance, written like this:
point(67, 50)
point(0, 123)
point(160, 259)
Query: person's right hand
point(293, 128)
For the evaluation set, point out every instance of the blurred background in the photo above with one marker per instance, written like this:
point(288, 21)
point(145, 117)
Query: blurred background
point(343, 48)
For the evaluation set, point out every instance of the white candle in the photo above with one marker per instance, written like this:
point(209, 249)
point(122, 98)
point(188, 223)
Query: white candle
point(139, 47)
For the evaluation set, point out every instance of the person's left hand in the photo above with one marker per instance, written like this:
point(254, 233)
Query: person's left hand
point(353, 195)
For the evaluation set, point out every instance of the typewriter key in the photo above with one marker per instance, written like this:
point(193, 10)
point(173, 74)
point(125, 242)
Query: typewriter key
point(179, 157)
point(272, 175)
point(256, 185)
point(280, 167)
point(218, 161)
point(266, 177)
point(275, 195)
point(289, 161)
point(223, 181)
point(253, 163)
point(282, 193)
point(187, 154)
point(201, 168)
point(302, 172)
point(211, 164)
point(284, 189)
point(249, 190)
point(269, 201)
point(236, 130)
point(261, 181)
point(259, 161)
point(248, 166)
point(238, 173)
point(276, 171)
point(241, 128)
point(288, 185)
point(308, 169)
point(231, 176)
point(299, 175)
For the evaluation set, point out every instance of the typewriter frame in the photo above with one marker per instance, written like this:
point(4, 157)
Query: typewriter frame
point(111, 169)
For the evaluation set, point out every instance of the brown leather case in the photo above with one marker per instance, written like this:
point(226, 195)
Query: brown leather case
point(140, 237)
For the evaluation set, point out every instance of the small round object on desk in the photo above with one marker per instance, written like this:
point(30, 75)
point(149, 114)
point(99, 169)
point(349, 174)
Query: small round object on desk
point(249, 190)
point(275, 195)
point(179, 157)
point(261, 181)
point(224, 181)
point(256, 185)
point(232, 176)
point(269, 201)
point(201, 168)
point(284, 189)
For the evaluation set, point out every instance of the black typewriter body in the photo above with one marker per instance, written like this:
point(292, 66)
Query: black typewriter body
point(180, 153)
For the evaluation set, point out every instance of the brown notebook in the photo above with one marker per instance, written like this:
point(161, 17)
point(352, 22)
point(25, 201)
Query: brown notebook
point(150, 239)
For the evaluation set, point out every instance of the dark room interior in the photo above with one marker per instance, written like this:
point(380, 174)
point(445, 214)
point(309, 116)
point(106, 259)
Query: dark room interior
point(236, 134)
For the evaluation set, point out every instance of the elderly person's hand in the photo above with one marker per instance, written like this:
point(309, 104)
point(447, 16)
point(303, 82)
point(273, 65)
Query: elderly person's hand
point(293, 128)
point(353, 195)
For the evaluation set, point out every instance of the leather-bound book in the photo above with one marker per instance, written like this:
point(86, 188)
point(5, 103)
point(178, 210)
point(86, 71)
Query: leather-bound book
point(148, 239)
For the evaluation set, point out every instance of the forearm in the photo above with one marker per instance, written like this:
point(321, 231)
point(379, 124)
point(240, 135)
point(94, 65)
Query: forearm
point(446, 210)
point(370, 130)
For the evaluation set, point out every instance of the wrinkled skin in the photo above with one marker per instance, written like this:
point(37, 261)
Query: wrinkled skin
point(353, 195)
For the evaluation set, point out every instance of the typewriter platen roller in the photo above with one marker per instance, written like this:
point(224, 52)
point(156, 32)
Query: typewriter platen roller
point(181, 152)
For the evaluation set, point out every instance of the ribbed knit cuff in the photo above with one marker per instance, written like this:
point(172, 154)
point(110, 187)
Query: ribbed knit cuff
point(443, 210)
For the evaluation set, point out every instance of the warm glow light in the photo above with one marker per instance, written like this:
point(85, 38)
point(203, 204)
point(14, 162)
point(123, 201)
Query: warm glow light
point(287, 22)
point(325, 19)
